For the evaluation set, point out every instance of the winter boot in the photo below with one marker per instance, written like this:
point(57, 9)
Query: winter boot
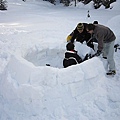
point(111, 72)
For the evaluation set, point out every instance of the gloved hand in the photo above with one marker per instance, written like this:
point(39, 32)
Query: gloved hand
point(98, 53)
point(69, 38)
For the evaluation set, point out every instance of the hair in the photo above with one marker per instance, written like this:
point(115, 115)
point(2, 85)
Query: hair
point(95, 22)
point(70, 46)
point(90, 26)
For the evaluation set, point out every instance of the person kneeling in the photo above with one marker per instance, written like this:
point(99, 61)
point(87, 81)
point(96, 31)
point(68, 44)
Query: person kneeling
point(71, 56)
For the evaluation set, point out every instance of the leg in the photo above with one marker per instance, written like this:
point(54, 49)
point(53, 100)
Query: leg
point(105, 50)
point(110, 55)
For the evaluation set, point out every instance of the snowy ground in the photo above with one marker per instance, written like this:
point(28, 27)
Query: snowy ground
point(33, 34)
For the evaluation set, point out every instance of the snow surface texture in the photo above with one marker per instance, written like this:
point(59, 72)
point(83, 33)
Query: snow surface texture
point(33, 34)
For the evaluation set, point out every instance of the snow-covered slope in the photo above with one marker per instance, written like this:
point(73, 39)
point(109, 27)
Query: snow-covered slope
point(33, 34)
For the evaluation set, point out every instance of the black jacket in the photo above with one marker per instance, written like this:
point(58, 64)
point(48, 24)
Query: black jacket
point(81, 37)
point(71, 58)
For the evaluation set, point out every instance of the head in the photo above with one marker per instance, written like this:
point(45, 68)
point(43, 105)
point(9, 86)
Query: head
point(80, 27)
point(95, 22)
point(70, 46)
point(90, 28)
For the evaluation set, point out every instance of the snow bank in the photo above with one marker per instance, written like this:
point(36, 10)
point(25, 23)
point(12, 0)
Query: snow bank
point(47, 93)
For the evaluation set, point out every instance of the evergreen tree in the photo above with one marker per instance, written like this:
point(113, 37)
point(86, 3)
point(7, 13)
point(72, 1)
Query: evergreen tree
point(106, 3)
point(97, 3)
point(51, 1)
point(86, 1)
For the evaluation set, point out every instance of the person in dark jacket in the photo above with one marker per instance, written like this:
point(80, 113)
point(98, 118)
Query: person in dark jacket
point(81, 35)
point(106, 39)
point(71, 56)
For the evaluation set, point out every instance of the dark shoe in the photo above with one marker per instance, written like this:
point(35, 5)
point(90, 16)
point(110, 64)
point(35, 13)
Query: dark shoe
point(111, 72)
point(105, 57)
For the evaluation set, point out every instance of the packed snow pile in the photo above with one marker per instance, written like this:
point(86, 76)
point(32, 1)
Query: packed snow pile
point(29, 92)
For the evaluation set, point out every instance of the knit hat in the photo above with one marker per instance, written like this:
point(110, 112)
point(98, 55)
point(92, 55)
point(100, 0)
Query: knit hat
point(80, 26)
point(95, 22)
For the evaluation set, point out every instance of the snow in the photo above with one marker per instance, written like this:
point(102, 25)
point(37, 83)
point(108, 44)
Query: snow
point(33, 34)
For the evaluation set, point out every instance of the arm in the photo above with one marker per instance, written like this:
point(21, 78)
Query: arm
point(78, 58)
point(100, 38)
point(74, 35)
